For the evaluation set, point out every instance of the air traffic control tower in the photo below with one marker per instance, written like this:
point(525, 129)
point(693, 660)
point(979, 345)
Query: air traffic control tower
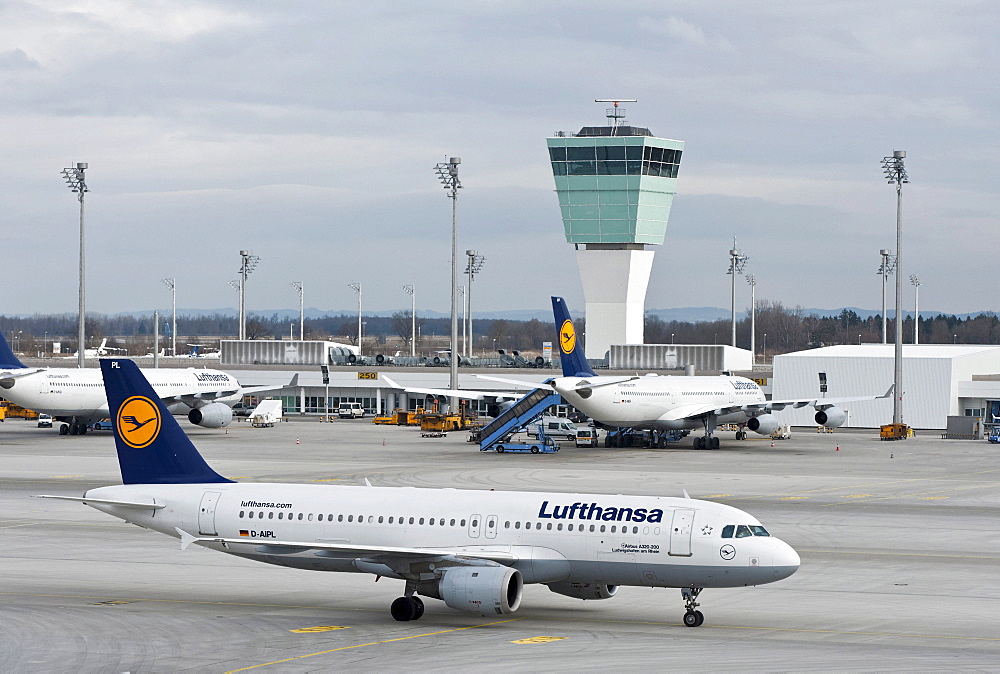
point(615, 185)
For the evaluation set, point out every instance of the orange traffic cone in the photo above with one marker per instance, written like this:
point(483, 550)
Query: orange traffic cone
point(838, 448)
point(296, 441)
point(772, 442)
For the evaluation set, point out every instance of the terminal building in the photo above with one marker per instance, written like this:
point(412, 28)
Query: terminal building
point(616, 184)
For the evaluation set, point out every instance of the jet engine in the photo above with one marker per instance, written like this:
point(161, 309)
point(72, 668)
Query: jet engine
point(212, 415)
point(831, 417)
point(495, 409)
point(765, 424)
point(483, 590)
point(584, 590)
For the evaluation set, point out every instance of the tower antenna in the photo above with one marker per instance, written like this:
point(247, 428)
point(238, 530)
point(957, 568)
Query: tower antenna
point(615, 114)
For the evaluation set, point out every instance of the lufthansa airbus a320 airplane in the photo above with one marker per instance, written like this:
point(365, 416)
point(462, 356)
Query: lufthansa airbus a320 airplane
point(475, 550)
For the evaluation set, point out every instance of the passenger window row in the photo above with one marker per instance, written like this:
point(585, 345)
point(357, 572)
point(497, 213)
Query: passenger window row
point(441, 521)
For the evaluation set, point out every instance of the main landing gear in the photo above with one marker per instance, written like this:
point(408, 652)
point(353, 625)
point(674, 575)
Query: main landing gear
point(73, 428)
point(410, 607)
point(692, 616)
point(707, 441)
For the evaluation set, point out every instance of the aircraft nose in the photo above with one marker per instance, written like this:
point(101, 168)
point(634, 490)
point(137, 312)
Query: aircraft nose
point(785, 560)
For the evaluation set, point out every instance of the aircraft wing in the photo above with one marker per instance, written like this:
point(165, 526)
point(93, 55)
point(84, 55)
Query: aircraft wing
point(385, 553)
point(467, 394)
point(527, 385)
point(15, 374)
point(751, 409)
point(820, 403)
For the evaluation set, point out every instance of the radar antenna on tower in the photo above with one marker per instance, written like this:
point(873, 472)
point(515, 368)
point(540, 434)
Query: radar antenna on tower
point(616, 114)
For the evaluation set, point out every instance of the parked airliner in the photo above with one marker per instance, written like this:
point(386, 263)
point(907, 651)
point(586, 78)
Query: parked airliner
point(475, 550)
point(672, 403)
point(76, 396)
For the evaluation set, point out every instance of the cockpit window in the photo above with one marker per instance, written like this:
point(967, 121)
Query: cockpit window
point(743, 530)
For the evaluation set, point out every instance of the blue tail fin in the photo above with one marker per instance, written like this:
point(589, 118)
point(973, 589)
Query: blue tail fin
point(8, 361)
point(574, 364)
point(152, 448)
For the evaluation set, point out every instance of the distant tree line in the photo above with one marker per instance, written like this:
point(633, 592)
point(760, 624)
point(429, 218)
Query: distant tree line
point(778, 328)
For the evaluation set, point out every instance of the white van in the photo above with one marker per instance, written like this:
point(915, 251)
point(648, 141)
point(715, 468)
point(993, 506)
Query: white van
point(586, 437)
point(554, 427)
point(351, 411)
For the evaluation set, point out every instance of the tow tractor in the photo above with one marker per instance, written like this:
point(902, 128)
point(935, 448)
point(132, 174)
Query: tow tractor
point(543, 445)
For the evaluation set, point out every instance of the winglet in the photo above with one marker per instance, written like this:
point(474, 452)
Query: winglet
point(574, 364)
point(294, 382)
point(686, 494)
point(367, 483)
point(888, 394)
point(186, 538)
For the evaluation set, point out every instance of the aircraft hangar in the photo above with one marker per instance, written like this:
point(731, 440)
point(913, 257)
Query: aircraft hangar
point(939, 380)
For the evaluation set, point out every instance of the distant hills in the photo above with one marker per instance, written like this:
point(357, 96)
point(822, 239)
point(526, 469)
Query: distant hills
point(681, 314)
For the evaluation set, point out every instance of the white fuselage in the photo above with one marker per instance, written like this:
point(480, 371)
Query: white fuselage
point(74, 392)
point(616, 540)
point(654, 402)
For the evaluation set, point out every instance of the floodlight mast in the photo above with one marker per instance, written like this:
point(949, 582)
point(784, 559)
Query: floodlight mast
point(915, 280)
point(737, 261)
point(412, 292)
point(357, 288)
point(76, 179)
point(473, 267)
point(248, 263)
point(752, 280)
point(448, 175)
point(300, 288)
point(895, 173)
point(172, 284)
point(616, 114)
point(887, 267)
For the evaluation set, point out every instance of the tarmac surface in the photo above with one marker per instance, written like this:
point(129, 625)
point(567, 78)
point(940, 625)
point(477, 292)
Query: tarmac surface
point(900, 548)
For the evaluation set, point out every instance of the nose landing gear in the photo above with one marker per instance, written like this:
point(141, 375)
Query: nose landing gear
point(692, 616)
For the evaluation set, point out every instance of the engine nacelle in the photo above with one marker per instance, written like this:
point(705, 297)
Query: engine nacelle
point(831, 417)
point(483, 590)
point(765, 424)
point(498, 408)
point(584, 590)
point(212, 415)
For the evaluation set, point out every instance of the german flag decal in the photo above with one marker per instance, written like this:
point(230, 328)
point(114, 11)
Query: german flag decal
point(244, 532)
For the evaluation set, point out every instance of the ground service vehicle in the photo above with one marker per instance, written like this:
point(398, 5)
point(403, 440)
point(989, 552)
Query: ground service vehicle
point(555, 427)
point(586, 437)
point(351, 411)
point(44, 421)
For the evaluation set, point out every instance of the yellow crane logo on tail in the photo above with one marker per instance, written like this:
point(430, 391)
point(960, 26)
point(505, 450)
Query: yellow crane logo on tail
point(567, 337)
point(138, 422)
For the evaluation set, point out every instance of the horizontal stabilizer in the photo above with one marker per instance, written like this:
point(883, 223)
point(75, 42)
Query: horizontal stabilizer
point(147, 505)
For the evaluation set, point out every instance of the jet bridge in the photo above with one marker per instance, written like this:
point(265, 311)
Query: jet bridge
point(518, 415)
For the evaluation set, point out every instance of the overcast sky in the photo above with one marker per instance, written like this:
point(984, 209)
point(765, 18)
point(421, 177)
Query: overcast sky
point(307, 133)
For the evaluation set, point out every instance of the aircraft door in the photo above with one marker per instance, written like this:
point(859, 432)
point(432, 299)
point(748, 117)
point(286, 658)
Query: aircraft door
point(491, 526)
point(474, 524)
point(680, 532)
point(206, 513)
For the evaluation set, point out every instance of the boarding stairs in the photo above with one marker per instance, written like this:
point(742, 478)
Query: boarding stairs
point(517, 416)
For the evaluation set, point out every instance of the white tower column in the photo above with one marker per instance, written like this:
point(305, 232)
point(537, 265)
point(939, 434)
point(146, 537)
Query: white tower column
point(614, 288)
